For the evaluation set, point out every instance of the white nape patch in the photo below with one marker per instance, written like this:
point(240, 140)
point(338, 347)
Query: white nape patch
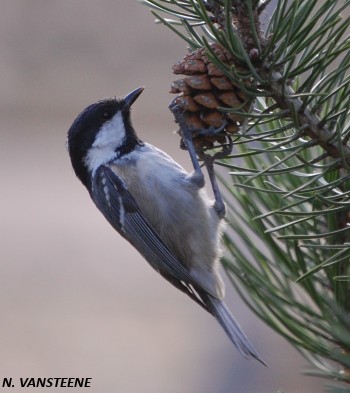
point(111, 136)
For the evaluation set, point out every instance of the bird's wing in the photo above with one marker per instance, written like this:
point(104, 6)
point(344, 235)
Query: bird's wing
point(113, 199)
point(111, 196)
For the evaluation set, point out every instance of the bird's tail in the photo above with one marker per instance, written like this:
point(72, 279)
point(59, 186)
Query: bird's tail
point(223, 315)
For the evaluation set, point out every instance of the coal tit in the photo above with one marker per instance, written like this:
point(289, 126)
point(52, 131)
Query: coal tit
point(162, 210)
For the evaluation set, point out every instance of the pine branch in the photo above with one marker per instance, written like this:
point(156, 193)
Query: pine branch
point(290, 129)
point(310, 123)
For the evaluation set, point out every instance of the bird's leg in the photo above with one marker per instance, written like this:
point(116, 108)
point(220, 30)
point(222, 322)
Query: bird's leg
point(187, 133)
point(219, 204)
point(198, 178)
point(208, 160)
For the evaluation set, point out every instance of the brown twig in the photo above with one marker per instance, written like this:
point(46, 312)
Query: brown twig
point(284, 96)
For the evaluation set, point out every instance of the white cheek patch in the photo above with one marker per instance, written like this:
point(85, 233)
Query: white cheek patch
point(111, 136)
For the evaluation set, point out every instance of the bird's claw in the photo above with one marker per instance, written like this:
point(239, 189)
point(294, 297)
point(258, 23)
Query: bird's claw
point(211, 131)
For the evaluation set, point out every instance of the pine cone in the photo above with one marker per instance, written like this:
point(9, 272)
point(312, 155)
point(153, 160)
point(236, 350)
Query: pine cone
point(204, 89)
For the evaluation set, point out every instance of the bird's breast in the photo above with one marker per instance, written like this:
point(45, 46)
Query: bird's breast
point(161, 190)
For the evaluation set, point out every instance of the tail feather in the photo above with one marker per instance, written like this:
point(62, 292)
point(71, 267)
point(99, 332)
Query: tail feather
point(223, 315)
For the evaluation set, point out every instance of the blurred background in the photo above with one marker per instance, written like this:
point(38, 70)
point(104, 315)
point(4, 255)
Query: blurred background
point(75, 299)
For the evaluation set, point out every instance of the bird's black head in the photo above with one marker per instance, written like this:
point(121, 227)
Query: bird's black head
point(101, 132)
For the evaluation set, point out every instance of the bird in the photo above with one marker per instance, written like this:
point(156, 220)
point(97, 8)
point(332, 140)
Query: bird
point(162, 210)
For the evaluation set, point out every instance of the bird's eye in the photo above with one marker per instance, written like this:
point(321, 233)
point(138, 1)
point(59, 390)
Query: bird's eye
point(106, 115)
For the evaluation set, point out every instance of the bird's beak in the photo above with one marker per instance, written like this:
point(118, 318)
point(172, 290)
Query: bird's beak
point(130, 98)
